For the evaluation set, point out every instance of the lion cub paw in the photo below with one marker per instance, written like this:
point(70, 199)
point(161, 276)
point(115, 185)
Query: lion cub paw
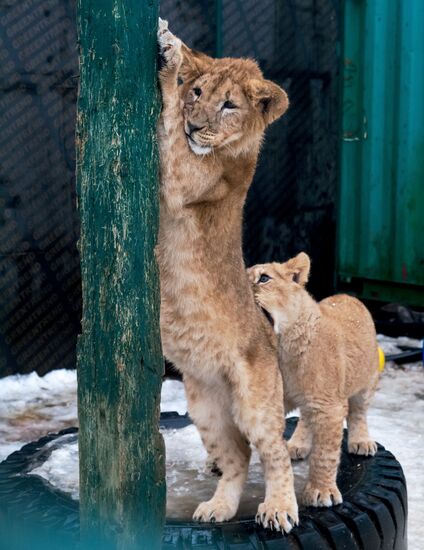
point(214, 510)
point(278, 515)
point(368, 447)
point(321, 496)
point(169, 45)
point(298, 452)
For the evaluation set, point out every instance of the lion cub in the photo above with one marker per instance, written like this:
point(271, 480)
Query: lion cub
point(212, 124)
point(328, 357)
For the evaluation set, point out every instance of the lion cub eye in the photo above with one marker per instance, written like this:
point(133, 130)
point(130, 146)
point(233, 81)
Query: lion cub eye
point(264, 278)
point(197, 92)
point(229, 105)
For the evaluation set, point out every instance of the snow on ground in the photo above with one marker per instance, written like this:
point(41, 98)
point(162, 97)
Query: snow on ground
point(187, 478)
point(173, 397)
point(31, 406)
point(61, 468)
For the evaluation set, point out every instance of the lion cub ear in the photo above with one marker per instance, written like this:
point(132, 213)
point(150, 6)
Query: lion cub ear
point(194, 64)
point(299, 268)
point(270, 99)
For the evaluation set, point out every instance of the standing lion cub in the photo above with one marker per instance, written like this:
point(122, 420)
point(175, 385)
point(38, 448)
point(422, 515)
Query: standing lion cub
point(214, 115)
point(328, 357)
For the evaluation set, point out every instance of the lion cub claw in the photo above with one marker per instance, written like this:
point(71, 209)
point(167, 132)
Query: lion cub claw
point(277, 516)
point(169, 45)
point(321, 496)
point(368, 447)
point(214, 510)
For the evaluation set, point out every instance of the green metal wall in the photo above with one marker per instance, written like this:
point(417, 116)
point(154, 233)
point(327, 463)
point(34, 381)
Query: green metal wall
point(381, 203)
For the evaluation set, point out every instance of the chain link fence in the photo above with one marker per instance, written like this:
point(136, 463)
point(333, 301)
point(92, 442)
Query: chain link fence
point(291, 205)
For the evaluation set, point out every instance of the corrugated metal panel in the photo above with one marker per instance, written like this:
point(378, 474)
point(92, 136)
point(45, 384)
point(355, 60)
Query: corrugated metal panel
point(381, 221)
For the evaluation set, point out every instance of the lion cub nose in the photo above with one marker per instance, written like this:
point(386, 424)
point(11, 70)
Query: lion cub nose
point(192, 127)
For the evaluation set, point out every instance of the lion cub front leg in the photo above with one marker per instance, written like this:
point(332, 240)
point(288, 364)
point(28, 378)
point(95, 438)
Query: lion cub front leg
point(327, 430)
point(170, 49)
point(279, 510)
point(183, 176)
point(227, 449)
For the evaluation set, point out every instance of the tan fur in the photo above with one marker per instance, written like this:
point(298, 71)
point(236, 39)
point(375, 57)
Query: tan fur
point(212, 330)
point(328, 357)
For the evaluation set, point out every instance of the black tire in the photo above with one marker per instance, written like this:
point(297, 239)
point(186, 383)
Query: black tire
point(373, 515)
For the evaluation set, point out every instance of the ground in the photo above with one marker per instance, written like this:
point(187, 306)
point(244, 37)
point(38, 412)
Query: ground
point(31, 406)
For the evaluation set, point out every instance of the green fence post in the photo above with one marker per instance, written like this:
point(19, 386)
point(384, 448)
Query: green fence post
point(120, 364)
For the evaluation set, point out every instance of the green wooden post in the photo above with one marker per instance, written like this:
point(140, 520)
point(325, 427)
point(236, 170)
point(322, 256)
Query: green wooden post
point(120, 364)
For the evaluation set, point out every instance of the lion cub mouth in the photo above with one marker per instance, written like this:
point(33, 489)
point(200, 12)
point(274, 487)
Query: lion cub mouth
point(196, 148)
point(267, 316)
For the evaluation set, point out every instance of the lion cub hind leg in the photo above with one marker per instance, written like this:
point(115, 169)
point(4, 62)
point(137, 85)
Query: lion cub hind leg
point(260, 416)
point(279, 510)
point(327, 431)
point(300, 443)
point(359, 440)
point(227, 449)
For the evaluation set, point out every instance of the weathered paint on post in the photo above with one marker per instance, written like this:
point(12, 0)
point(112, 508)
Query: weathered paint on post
point(120, 364)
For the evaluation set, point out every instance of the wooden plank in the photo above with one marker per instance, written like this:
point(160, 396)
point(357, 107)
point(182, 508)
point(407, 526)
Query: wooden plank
point(120, 364)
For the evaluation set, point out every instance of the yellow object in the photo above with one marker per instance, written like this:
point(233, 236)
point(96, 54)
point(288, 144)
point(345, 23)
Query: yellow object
point(381, 359)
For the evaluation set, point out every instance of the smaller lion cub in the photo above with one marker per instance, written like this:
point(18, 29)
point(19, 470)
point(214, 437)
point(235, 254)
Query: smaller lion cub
point(328, 357)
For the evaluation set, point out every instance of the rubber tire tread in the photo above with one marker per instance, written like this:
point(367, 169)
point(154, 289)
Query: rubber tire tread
point(373, 515)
